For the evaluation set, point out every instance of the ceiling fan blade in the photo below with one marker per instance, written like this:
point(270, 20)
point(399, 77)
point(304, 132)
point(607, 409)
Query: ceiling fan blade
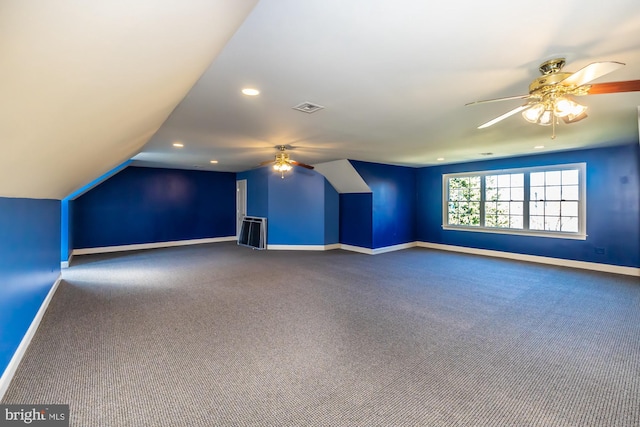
point(591, 72)
point(614, 87)
point(504, 116)
point(497, 99)
point(293, 162)
point(266, 162)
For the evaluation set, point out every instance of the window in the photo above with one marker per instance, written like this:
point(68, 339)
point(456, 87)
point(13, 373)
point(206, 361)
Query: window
point(543, 201)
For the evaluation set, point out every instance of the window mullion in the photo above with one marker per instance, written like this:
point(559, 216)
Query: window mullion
point(483, 198)
point(525, 208)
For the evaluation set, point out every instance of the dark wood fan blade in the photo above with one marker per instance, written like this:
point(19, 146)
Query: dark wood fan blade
point(497, 99)
point(568, 120)
point(614, 87)
point(266, 162)
point(293, 162)
point(591, 72)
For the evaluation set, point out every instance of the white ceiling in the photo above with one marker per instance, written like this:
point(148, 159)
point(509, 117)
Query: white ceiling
point(88, 85)
point(394, 76)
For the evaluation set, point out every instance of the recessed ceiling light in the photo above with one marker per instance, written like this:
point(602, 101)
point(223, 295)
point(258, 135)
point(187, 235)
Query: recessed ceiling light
point(213, 162)
point(440, 159)
point(249, 91)
point(178, 144)
point(538, 147)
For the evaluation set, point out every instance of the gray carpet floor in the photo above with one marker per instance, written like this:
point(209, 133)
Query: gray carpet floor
point(217, 335)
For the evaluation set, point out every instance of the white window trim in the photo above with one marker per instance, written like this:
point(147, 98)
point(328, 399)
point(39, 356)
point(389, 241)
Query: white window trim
point(581, 234)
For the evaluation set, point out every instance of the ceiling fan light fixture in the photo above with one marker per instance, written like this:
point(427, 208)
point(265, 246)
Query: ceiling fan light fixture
point(533, 113)
point(546, 118)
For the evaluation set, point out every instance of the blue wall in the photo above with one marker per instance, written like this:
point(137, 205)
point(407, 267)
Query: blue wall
point(29, 265)
point(149, 205)
point(331, 214)
point(356, 219)
point(257, 191)
point(394, 202)
point(301, 209)
point(296, 208)
point(613, 208)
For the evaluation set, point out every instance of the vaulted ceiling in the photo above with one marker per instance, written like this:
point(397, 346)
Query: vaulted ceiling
point(90, 84)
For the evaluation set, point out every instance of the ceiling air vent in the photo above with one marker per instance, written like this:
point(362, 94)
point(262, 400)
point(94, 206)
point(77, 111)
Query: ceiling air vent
point(307, 107)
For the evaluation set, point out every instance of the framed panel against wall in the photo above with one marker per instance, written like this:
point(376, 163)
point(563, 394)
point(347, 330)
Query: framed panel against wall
point(253, 232)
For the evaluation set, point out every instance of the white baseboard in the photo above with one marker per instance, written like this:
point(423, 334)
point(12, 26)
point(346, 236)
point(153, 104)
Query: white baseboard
point(376, 251)
point(395, 248)
point(7, 376)
point(65, 264)
point(607, 268)
point(303, 247)
point(137, 247)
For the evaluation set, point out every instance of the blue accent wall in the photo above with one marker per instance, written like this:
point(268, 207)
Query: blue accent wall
point(301, 209)
point(331, 214)
point(29, 265)
point(150, 205)
point(68, 209)
point(613, 208)
point(296, 208)
point(356, 219)
point(394, 202)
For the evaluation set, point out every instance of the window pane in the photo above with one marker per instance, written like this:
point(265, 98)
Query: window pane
point(553, 193)
point(490, 208)
point(570, 192)
point(504, 194)
point(569, 208)
point(552, 223)
point(552, 208)
point(455, 182)
point(504, 180)
point(516, 208)
point(570, 224)
point(516, 222)
point(474, 181)
point(474, 194)
point(517, 180)
point(503, 208)
point(517, 193)
point(503, 221)
point(537, 193)
point(490, 221)
point(453, 213)
point(537, 178)
point(492, 194)
point(536, 223)
point(474, 213)
point(570, 177)
point(536, 208)
point(491, 181)
point(553, 178)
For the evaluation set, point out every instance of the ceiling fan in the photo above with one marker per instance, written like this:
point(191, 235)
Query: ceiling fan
point(283, 162)
point(550, 96)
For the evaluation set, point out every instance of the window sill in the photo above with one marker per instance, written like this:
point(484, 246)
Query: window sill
point(552, 234)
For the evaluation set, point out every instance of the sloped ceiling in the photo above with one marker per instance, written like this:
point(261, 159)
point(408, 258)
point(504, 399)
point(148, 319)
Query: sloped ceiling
point(85, 84)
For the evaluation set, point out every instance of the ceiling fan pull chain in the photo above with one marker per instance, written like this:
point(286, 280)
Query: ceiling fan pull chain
point(553, 127)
